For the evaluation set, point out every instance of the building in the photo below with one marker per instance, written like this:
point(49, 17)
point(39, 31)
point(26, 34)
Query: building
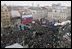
point(15, 17)
point(38, 12)
point(5, 16)
point(58, 12)
point(57, 16)
point(24, 10)
point(68, 13)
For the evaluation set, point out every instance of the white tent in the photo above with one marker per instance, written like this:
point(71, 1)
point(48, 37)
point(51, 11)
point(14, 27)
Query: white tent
point(16, 45)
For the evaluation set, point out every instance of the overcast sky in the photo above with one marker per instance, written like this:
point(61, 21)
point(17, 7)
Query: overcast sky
point(41, 3)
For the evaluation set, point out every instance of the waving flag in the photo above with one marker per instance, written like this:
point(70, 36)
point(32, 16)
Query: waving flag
point(26, 19)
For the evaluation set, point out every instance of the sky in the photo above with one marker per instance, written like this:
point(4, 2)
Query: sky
point(35, 3)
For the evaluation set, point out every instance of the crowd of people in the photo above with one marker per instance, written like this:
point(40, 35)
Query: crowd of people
point(9, 37)
point(44, 37)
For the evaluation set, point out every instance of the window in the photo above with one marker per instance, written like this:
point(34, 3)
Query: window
point(55, 10)
point(4, 22)
point(6, 13)
point(5, 10)
point(1, 12)
point(3, 16)
point(6, 16)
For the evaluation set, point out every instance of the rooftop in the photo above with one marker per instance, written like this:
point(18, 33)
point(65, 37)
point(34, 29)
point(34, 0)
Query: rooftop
point(15, 13)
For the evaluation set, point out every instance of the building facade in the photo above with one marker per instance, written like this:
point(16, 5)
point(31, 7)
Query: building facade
point(58, 13)
point(15, 17)
point(38, 12)
point(5, 16)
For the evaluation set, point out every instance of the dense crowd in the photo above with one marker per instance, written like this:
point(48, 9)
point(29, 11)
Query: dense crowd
point(44, 37)
point(11, 37)
point(35, 37)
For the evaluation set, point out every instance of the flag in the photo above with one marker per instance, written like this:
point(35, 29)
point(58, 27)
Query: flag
point(27, 19)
